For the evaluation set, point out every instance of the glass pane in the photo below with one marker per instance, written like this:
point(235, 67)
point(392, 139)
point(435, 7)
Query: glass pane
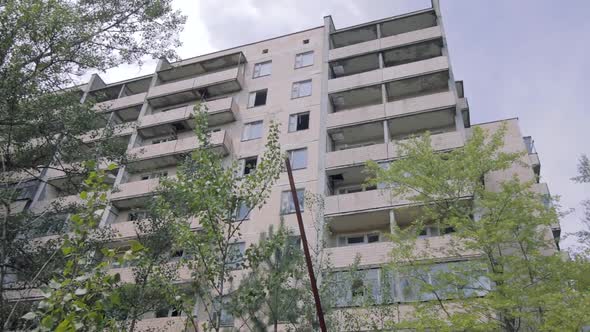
point(293, 120)
point(298, 158)
point(305, 89)
point(356, 239)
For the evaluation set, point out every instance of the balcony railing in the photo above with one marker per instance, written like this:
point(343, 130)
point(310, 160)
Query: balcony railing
point(135, 189)
point(361, 201)
point(388, 74)
point(167, 153)
point(376, 152)
point(219, 111)
point(217, 83)
point(440, 142)
point(356, 156)
point(121, 103)
point(379, 253)
point(385, 43)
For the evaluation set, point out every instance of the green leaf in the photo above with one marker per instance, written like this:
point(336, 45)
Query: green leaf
point(136, 246)
point(84, 195)
point(30, 316)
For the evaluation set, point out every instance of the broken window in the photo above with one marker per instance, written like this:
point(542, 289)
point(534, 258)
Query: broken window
point(257, 98)
point(299, 121)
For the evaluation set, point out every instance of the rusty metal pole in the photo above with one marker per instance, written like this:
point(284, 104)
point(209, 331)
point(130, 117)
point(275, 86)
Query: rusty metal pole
point(314, 287)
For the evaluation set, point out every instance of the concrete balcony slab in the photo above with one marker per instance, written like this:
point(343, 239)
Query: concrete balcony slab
point(385, 43)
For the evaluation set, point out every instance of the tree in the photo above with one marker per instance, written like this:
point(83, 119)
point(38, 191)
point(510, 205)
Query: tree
point(45, 48)
point(584, 177)
point(154, 270)
point(79, 298)
point(216, 195)
point(274, 289)
point(507, 273)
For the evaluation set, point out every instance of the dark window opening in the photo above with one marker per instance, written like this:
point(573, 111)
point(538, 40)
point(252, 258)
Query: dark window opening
point(250, 165)
point(299, 122)
point(257, 98)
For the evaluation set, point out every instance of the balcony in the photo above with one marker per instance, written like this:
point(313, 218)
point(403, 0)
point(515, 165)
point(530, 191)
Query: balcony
point(169, 153)
point(120, 130)
point(355, 145)
point(440, 142)
point(126, 274)
point(394, 32)
point(127, 229)
point(71, 200)
point(121, 103)
point(190, 82)
point(123, 99)
point(361, 201)
point(419, 104)
point(397, 72)
point(134, 193)
point(533, 156)
point(379, 253)
point(220, 111)
point(162, 324)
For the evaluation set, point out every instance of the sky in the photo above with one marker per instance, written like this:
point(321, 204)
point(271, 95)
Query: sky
point(528, 59)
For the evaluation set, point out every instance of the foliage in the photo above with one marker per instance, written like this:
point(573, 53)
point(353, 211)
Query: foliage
point(272, 291)
point(583, 235)
point(78, 297)
point(46, 48)
point(524, 284)
point(211, 193)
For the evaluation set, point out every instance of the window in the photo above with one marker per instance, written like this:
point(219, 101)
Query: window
point(287, 204)
point(162, 140)
point(137, 215)
point(227, 318)
point(304, 59)
point(298, 158)
point(434, 230)
point(243, 212)
point(257, 98)
point(167, 312)
point(235, 255)
point(350, 240)
point(262, 69)
point(306, 41)
point(299, 121)
point(355, 288)
point(265, 51)
point(248, 165)
point(301, 89)
point(355, 189)
point(465, 278)
point(154, 175)
point(176, 254)
point(252, 130)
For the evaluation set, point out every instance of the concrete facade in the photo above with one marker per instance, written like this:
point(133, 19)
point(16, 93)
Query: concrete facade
point(361, 103)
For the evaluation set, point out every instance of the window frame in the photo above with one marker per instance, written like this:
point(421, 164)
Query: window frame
point(289, 201)
point(235, 264)
point(255, 93)
point(296, 122)
point(260, 66)
point(298, 84)
point(302, 55)
point(243, 162)
point(248, 126)
point(292, 160)
point(238, 216)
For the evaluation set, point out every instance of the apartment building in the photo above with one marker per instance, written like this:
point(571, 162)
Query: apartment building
point(341, 96)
